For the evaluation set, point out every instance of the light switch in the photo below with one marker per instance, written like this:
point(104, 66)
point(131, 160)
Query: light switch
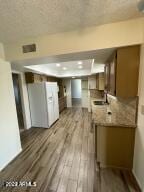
point(142, 109)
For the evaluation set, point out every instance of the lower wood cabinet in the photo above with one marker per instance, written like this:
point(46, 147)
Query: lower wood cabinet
point(115, 146)
point(62, 104)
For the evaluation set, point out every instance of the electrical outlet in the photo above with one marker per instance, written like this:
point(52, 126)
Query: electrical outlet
point(142, 109)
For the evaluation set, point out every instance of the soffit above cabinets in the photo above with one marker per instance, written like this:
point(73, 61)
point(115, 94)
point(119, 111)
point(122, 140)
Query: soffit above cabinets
point(68, 69)
point(64, 69)
point(78, 64)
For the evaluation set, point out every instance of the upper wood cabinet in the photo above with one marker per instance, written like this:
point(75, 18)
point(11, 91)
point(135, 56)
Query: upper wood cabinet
point(32, 78)
point(36, 78)
point(122, 71)
point(92, 82)
point(96, 81)
point(100, 81)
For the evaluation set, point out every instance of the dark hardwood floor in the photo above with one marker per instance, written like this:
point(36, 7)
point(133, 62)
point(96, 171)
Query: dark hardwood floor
point(62, 159)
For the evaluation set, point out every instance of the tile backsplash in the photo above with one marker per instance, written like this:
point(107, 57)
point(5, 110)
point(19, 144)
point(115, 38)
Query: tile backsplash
point(126, 108)
point(96, 93)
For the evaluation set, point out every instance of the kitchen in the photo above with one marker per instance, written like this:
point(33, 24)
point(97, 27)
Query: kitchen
point(72, 96)
point(111, 98)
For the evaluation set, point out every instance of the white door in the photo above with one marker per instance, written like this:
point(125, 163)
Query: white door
point(55, 101)
point(50, 101)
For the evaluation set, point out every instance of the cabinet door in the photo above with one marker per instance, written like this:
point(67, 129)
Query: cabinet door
point(112, 83)
point(101, 82)
point(92, 82)
point(37, 78)
point(115, 146)
point(128, 60)
point(43, 77)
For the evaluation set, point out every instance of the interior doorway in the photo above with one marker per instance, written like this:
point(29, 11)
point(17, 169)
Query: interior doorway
point(16, 86)
point(76, 92)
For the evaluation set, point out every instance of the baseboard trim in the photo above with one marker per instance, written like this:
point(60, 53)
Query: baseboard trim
point(10, 161)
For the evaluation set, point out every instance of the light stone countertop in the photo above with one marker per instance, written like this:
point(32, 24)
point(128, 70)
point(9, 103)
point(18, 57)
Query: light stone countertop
point(101, 118)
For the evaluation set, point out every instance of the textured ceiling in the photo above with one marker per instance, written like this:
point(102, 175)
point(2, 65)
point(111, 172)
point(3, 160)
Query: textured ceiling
point(26, 18)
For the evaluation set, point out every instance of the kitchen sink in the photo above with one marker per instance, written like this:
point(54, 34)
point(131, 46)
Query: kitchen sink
point(98, 102)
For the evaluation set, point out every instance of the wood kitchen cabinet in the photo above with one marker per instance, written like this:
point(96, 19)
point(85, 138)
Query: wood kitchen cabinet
point(32, 78)
point(43, 78)
point(96, 81)
point(92, 82)
point(62, 104)
point(100, 81)
point(122, 71)
point(115, 146)
point(36, 78)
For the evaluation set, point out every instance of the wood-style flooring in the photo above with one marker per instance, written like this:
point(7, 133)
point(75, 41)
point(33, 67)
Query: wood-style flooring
point(62, 159)
point(76, 102)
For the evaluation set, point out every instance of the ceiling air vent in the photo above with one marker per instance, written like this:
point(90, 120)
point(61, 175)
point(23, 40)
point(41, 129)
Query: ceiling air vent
point(29, 48)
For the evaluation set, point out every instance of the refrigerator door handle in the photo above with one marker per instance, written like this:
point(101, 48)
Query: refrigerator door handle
point(50, 99)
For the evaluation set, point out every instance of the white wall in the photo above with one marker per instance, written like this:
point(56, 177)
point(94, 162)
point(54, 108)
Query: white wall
point(89, 38)
point(76, 88)
point(10, 144)
point(138, 168)
point(67, 84)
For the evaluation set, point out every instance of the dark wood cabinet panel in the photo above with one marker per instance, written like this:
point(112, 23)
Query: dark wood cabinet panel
point(96, 81)
point(62, 104)
point(35, 78)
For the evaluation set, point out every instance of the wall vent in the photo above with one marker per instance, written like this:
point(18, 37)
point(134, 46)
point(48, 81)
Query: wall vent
point(29, 48)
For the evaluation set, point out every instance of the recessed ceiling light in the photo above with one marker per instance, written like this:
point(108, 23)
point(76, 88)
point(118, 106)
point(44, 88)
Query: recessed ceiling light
point(58, 64)
point(80, 62)
point(64, 68)
point(80, 67)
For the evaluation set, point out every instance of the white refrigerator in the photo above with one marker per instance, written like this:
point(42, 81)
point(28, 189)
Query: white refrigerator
point(44, 106)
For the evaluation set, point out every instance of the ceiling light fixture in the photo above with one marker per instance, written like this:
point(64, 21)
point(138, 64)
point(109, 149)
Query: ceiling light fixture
point(80, 62)
point(64, 68)
point(58, 64)
point(80, 67)
point(141, 6)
